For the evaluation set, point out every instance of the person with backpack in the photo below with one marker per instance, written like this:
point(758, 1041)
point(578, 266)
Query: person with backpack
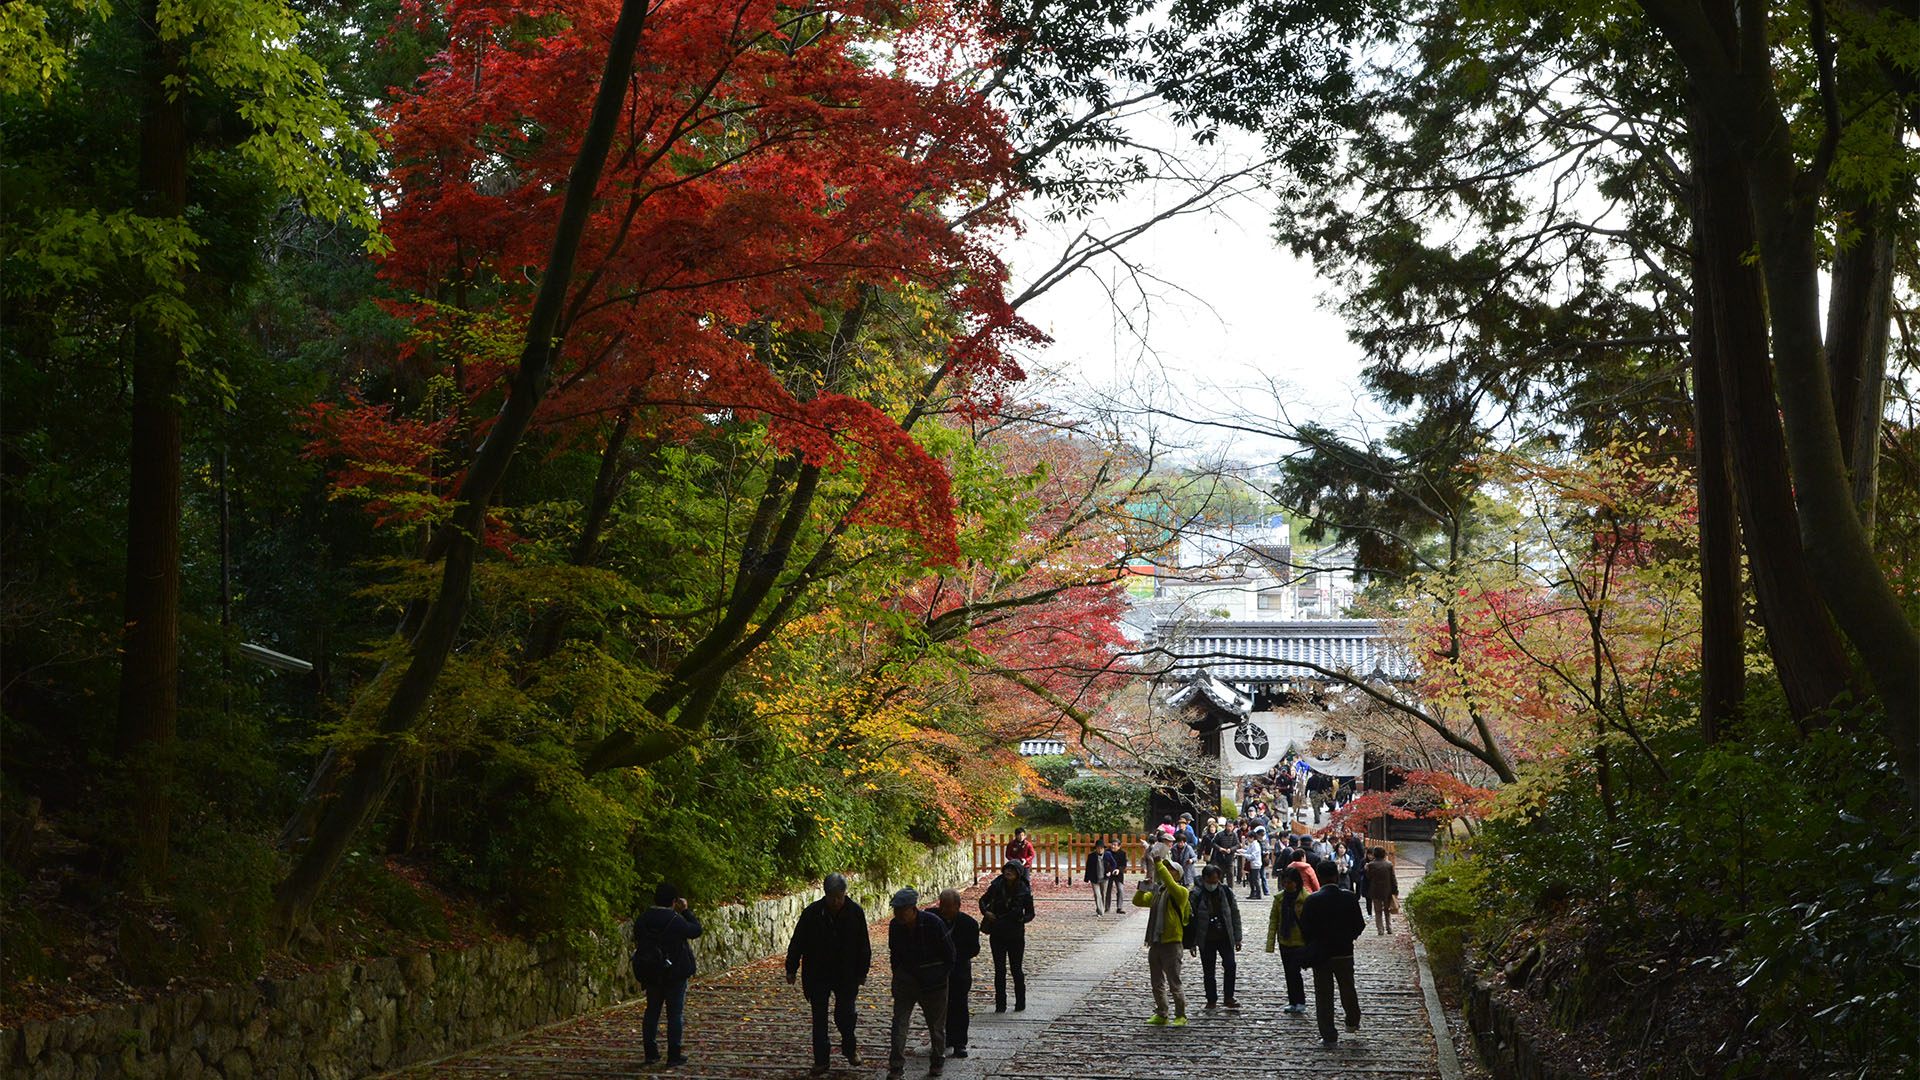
point(921, 955)
point(831, 954)
point(964, 932)
point(1330, 920)
point(1215, 931)
point(1283, 932)
point(1170, 911)
point(1006, 908)
point(663, 962)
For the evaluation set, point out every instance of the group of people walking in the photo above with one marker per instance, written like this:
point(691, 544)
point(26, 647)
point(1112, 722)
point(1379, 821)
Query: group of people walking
point(1313, 924)
point(930, 952)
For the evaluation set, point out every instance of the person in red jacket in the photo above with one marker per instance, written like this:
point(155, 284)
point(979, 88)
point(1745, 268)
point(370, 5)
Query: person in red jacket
point(1020, 850)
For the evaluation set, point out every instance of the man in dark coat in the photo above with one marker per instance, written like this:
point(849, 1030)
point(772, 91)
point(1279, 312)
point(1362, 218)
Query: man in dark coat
point(669, 925)
point(1214, 929)
point(1116, 860)
point(1007, 907)
point(1096, 875)
point(1329, 921)
point(831, 955)
point(921, 955)
point(1357, 862)
point(964, 932)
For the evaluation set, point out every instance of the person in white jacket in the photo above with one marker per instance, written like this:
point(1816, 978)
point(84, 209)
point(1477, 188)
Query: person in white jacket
point(1256, 866)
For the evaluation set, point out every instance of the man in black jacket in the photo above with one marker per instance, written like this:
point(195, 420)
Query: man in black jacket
point(964, 932)
point(668, 926)
point(831, 955)
point(1329, 921)
point(1116, 874)
point(921, 955)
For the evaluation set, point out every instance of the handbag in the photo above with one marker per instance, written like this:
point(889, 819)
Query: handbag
point(1393, 905)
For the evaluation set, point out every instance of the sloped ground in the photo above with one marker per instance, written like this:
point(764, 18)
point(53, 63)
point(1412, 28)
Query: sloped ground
point(1088, 998)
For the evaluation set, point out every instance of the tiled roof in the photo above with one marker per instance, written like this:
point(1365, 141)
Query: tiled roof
point(1247, 653)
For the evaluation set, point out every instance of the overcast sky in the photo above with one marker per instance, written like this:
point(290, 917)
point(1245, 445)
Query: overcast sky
point(1229, 315)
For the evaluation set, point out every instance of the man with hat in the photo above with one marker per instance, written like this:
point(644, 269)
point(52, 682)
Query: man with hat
point(831, 954)
point(921, 954)
point(1006, 908)
point(1167, 898)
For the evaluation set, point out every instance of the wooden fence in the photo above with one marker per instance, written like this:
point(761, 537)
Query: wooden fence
point(1057, 858)
point(1063, 859)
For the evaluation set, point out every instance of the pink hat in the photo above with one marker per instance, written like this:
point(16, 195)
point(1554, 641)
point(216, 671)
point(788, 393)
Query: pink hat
point(1167, 829)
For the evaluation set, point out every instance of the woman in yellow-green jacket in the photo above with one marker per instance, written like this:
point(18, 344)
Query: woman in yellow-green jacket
point(1283, 930)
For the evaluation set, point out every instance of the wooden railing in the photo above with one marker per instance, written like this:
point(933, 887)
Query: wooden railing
point(1063, 859)
point(1057, 858)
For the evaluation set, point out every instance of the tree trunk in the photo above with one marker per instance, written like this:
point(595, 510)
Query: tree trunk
point(150, 658)
point(372, 773)
point(1844, 566)
point(1722, 622)
point(1807, 655)
point(1730, 74)
point(1858, 318)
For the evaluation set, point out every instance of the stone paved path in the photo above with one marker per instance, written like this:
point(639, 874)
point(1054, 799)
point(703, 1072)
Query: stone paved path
point(1087, 1002)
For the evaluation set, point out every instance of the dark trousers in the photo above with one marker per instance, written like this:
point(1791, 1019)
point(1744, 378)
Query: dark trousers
point(959, 986)
point(932, 1001)
point(1329, 971)
point(1228, 966)
point(1009, 950)
point(844, 1016)
point(673, 997)
point(1296, 983)
point(1114, 892)
point(1256, 883)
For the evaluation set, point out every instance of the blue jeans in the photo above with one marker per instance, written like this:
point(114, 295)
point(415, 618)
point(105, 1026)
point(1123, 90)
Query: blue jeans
point(673, 995)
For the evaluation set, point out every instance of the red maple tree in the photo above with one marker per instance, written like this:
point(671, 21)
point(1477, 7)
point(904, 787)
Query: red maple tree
point(766, 170)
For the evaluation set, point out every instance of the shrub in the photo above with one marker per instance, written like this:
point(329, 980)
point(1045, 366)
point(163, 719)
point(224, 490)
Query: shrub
point(1443, 907)
point(1106, 805)
point(1229, 809)
point(564, 863)
point(1798, 890)
point(222, 900)
point(1054, 770)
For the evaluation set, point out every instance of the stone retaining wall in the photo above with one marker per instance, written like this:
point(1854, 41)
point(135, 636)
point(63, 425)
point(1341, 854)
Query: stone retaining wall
point(367, 1018)
point(1502, 1043)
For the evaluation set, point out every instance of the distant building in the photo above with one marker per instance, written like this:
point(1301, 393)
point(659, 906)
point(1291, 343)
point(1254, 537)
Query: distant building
point(1041, 747)
point(1245, 573)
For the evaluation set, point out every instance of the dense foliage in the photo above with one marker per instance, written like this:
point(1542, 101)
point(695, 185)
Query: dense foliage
point(1107, 804)
point(751, 565)
point(1757, 907)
